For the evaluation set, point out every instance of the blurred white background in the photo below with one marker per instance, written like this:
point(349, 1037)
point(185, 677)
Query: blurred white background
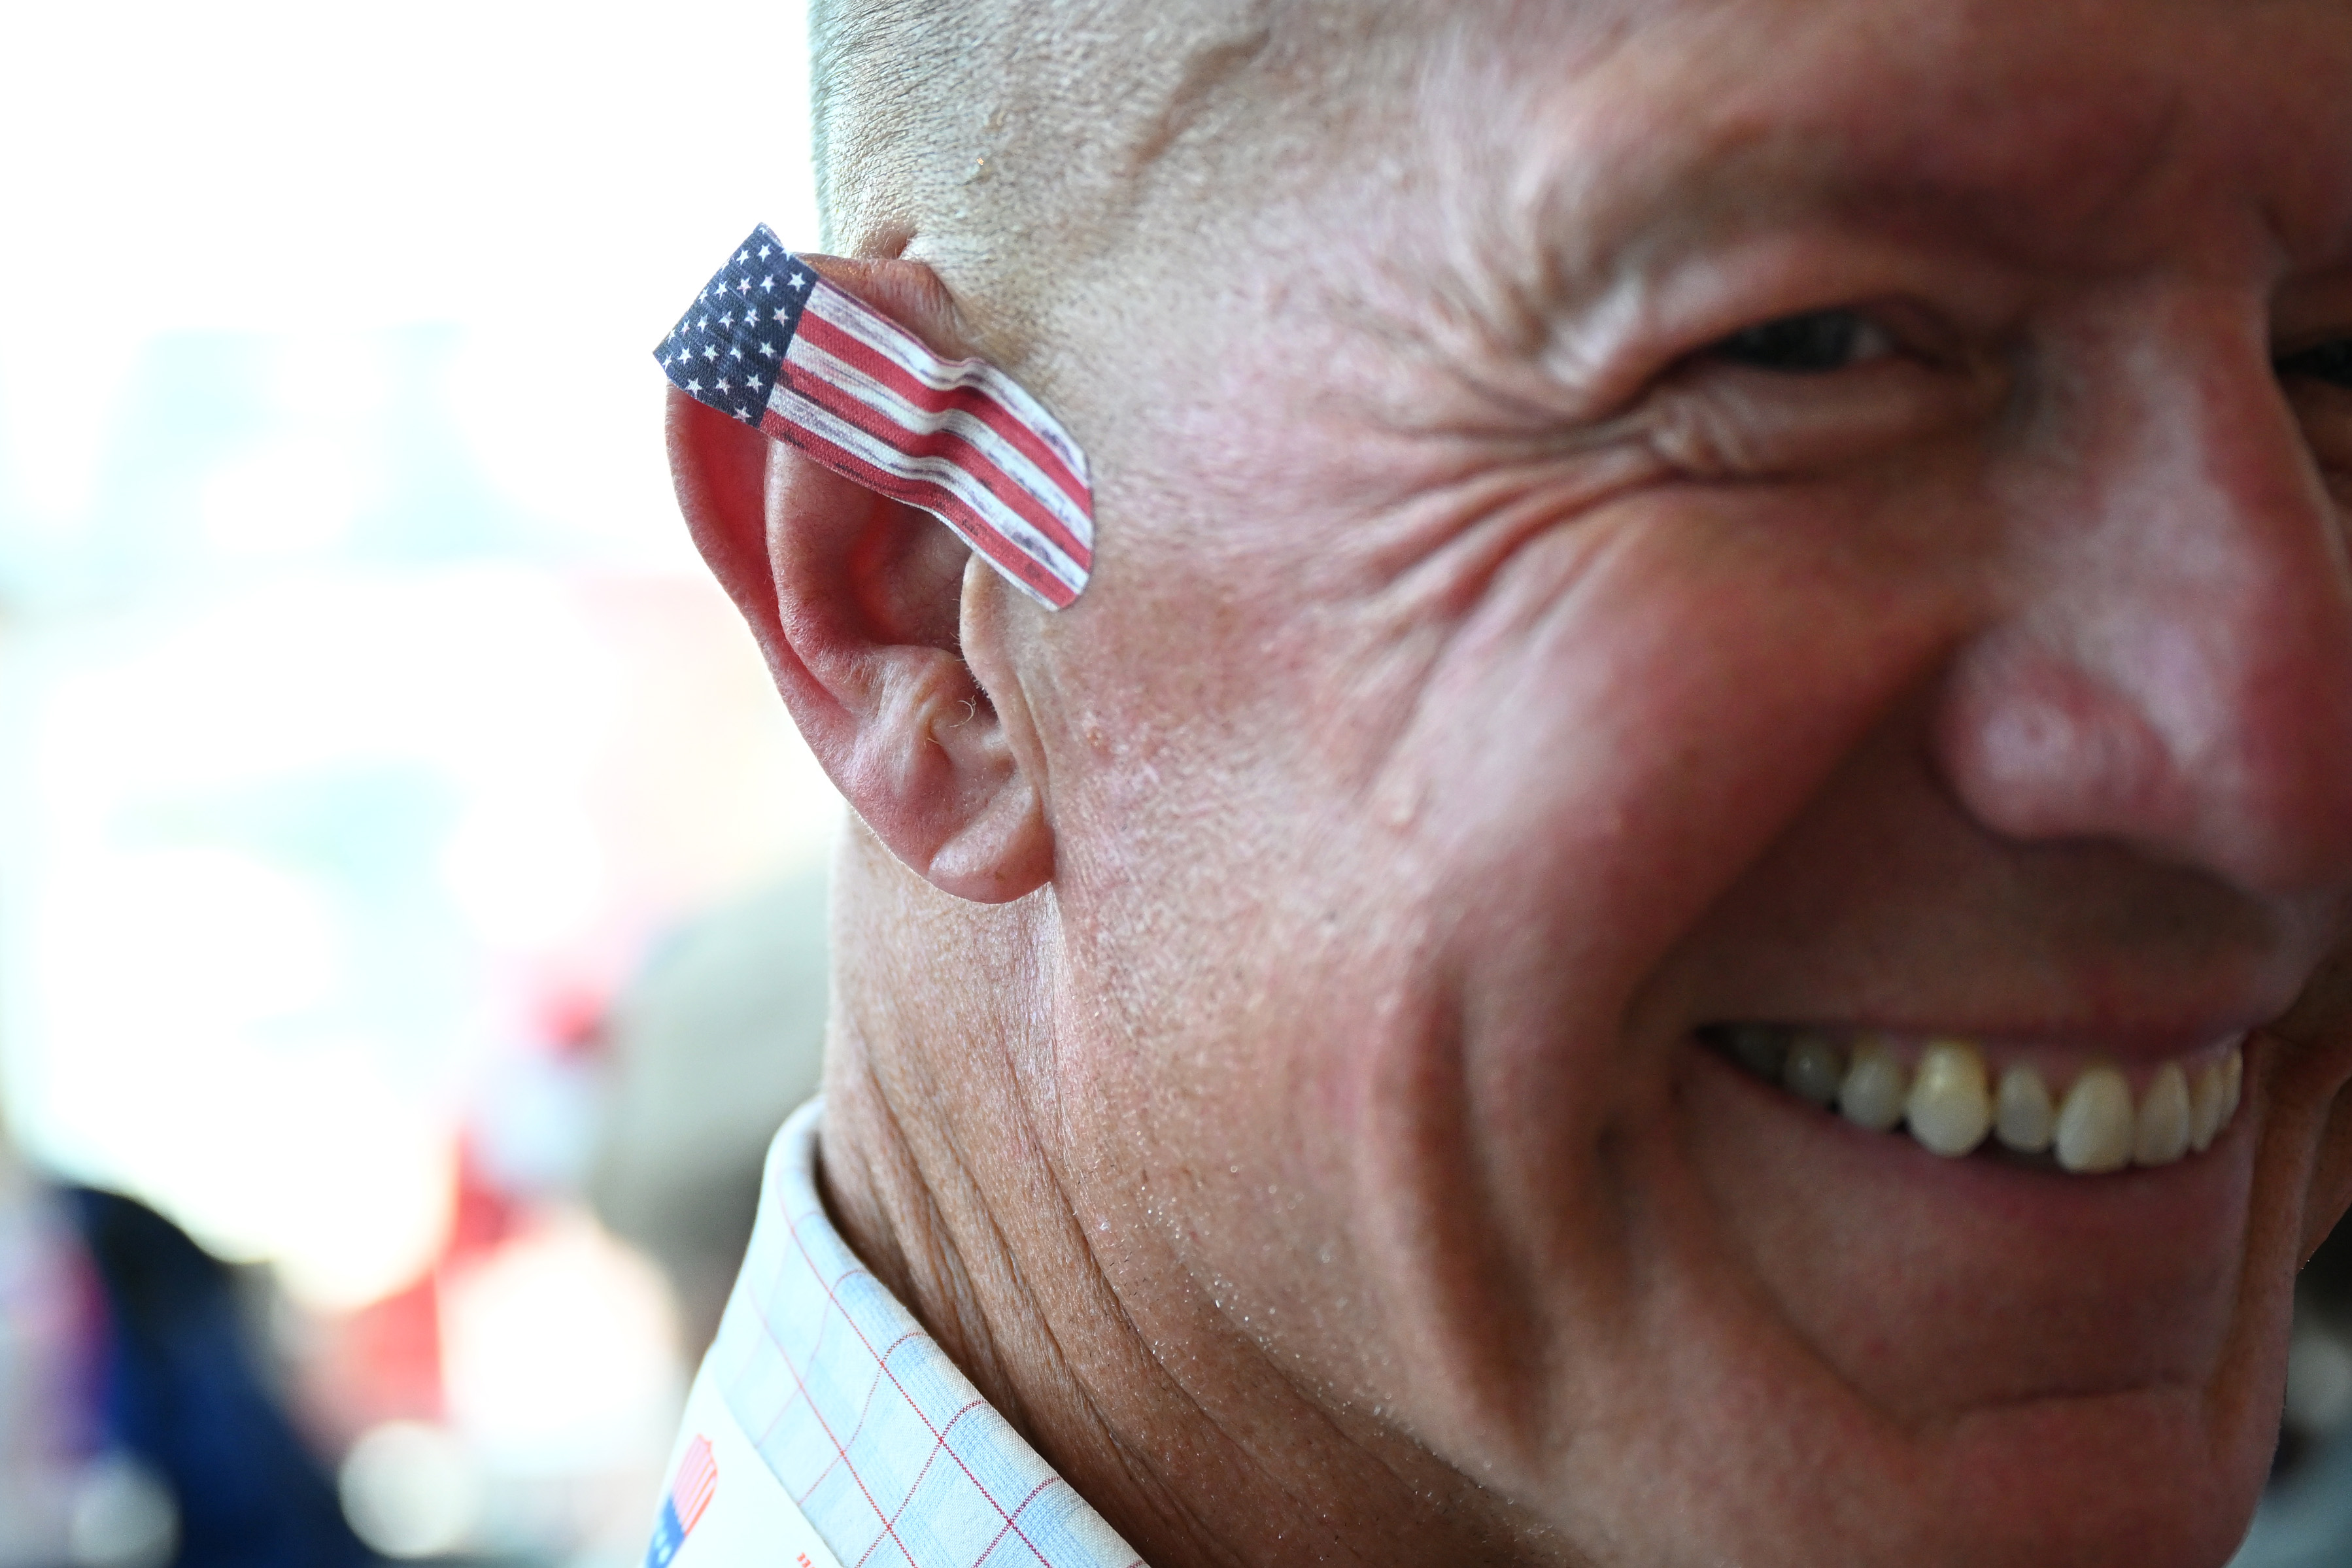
point(364, 712)
point(366, 723)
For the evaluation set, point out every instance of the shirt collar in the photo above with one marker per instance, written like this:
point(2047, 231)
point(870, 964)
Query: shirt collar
point(860, 1417)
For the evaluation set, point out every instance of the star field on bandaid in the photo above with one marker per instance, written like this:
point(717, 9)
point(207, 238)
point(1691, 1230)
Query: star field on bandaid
point(771, 344)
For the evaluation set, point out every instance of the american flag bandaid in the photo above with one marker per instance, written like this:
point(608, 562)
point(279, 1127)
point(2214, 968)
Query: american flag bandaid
point(773, 345)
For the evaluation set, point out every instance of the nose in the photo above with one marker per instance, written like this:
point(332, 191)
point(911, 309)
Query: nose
point(2170, 666)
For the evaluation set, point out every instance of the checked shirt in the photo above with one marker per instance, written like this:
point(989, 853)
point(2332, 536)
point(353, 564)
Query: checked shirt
point(838, 1428)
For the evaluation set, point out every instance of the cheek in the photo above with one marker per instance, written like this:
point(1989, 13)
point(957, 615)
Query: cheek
point(1607, 747)
point(1600, 752)
point(1428, 884)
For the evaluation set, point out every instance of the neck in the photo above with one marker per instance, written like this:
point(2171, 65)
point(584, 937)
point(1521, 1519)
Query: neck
point(952, 1171)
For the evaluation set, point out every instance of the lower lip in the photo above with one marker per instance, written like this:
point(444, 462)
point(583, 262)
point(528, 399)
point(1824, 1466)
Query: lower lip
point(1979, 1279)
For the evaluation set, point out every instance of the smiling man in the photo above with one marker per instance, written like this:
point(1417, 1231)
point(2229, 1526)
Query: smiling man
point(1678, 896)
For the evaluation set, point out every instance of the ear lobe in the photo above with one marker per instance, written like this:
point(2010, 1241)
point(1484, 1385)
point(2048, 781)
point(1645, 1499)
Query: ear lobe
point(858, 603)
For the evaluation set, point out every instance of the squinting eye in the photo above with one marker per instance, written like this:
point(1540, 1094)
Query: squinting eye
point(1809, 344)
point(2330, 363)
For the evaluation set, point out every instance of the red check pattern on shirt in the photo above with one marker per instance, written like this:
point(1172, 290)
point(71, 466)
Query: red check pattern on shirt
point(890, 1452)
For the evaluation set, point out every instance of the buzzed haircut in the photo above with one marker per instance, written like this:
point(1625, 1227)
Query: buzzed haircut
point(1007, 129)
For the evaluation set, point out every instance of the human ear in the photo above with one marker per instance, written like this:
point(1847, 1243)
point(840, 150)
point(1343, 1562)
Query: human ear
point(859, 606)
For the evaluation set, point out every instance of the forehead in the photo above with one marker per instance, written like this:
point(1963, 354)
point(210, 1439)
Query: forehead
point(1521, 188)
point(2026, 124)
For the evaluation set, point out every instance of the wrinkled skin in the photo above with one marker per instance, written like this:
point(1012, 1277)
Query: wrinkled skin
point(1492, 680)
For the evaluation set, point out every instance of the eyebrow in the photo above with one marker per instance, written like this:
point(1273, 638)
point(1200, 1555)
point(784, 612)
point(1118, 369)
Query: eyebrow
point(1635, 154)
point(1647, 208)
point(1532, 308)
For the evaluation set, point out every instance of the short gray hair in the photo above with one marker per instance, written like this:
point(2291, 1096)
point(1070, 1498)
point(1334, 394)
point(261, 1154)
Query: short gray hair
point(1022, 121)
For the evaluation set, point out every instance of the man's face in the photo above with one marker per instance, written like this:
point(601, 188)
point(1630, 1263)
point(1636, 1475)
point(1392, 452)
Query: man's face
point(1505, 682)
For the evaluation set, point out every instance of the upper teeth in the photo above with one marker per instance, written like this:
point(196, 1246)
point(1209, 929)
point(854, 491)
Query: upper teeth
point(1951, 1105)
point(1949, 1108)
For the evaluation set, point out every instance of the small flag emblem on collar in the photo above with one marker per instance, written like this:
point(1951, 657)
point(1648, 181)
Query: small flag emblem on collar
point(771, 344)
point(690, 1494)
